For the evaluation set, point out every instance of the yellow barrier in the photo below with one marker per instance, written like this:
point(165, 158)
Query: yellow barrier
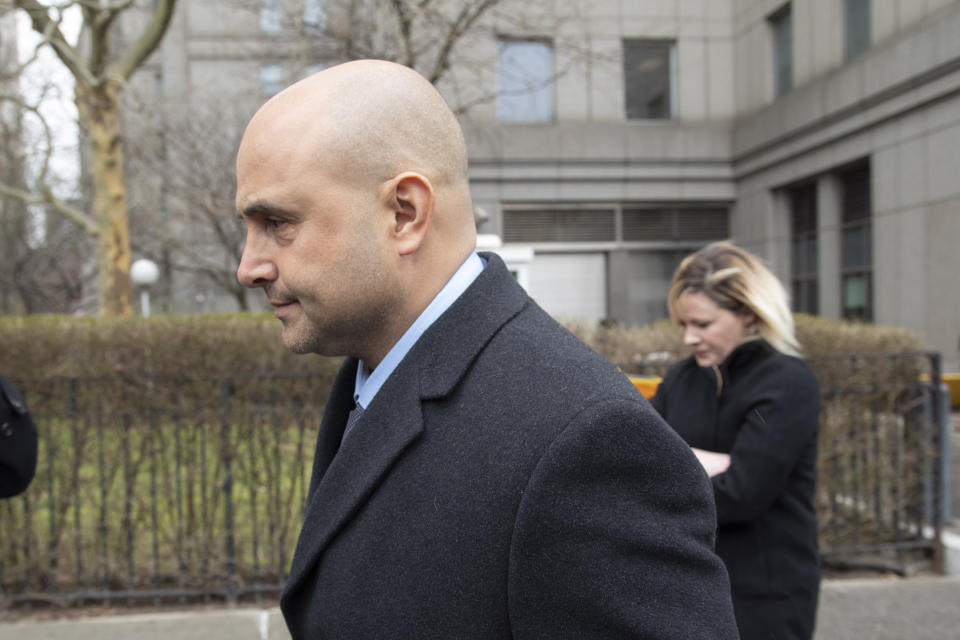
point(647, 385)
point(952, 380)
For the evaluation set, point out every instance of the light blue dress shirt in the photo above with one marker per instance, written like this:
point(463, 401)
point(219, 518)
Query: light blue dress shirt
point(369, 382)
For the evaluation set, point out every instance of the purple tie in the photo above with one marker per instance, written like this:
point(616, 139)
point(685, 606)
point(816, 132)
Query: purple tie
point(352, 418)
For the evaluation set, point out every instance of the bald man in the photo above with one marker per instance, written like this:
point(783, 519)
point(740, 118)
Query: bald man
point(479, 472)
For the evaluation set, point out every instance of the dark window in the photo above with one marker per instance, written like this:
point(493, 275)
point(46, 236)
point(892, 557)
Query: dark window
point(564, 225)
point(856, 247)
point(856, 26)
point(672, 224)
point(647, 78)
point(804, 253)
point(781, 27)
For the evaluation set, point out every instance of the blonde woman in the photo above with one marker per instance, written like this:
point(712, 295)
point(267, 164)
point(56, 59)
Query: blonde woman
point(748, 407)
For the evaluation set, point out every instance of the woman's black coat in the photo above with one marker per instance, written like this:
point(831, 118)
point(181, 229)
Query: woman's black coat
point(762, 408)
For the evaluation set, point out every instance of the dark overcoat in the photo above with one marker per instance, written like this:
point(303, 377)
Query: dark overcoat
point(761, 407)
point(18, 441)
point(505, 482)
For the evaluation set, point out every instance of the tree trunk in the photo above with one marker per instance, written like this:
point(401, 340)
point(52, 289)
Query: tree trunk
point(99, 113)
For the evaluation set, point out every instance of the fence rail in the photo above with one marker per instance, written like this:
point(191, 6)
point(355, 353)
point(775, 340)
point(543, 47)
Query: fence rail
point(163, 489)
point(153, 490)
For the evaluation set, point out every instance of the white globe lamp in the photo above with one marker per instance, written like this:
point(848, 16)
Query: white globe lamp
point(144, 273)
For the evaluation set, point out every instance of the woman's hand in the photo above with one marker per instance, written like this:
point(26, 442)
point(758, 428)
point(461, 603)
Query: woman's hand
point(714, 463)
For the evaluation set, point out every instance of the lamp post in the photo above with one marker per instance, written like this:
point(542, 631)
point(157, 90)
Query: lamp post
point(144, 273)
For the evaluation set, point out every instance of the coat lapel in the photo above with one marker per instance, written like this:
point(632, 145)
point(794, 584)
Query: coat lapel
point(344, 478)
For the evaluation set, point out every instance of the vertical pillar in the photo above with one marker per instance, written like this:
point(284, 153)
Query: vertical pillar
point(828, 245)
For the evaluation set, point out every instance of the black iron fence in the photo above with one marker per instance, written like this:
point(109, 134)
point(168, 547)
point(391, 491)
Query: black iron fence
point(883, 461)
point(160, 490)
point(883, 475)
point(182, 489)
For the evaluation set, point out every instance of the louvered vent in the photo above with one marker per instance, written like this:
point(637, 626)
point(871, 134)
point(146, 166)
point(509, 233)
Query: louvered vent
point(674, 224)
point(544, 225)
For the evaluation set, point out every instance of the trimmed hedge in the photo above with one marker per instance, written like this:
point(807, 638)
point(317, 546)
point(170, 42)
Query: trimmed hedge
point(33, 347)
point(828, 345)
point(245, 343)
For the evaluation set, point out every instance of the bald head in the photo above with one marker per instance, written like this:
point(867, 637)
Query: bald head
point(353, 186)
point(369, 119)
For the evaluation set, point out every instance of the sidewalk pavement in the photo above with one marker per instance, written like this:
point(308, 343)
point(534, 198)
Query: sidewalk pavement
point(916, 608)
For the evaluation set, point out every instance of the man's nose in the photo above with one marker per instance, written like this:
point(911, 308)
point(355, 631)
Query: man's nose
point(256, 269)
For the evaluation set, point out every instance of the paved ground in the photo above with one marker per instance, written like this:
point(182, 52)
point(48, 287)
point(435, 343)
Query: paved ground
point(918, 608)
point(890, 609)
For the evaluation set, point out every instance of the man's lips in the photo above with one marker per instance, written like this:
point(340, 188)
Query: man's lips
point(280, 307)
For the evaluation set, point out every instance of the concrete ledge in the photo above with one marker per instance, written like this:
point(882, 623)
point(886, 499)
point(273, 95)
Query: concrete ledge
point(918, 608)
point(225, 624)
point(951, 552)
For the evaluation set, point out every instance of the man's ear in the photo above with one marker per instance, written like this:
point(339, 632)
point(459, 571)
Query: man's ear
point(412, 200)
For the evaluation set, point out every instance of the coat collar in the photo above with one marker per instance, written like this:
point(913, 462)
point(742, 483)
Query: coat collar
point(343, 479)
point(742, 358)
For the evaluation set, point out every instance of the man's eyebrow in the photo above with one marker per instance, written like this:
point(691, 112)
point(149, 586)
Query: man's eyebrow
point(261, 208)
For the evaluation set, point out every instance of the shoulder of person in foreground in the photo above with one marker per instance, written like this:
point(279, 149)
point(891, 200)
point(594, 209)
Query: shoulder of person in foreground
point(18, 441)
point(615, 533)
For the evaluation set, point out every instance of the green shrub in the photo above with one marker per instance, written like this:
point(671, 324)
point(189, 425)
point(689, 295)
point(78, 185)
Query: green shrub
point(164, 345)
point(651, 349)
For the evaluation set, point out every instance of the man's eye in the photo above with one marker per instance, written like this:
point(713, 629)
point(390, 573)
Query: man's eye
point(275, 223)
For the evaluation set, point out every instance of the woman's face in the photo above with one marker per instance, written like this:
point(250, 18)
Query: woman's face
point(711, 331)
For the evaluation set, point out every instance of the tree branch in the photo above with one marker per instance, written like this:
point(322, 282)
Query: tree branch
point(466, 19)
point(49, 30)
point(47, 198)
point(148, 41)
point(404, 26)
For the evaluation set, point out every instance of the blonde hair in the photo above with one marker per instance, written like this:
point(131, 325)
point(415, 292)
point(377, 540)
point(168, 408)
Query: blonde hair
point(737, 280)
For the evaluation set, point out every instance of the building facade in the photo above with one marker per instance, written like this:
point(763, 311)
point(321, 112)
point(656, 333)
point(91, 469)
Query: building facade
point(613, 137)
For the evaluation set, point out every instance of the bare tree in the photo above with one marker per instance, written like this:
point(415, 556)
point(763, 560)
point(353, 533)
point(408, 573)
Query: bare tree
point(100, 74)
point(41, 264)
point(183, 156)
point(450, 42)
point(181, 210)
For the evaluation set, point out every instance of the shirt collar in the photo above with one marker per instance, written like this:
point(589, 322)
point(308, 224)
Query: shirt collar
point(368, 382)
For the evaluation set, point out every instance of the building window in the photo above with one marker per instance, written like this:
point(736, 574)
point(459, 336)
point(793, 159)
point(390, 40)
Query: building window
point(271, 79)
point(647, 76)
point(271, 17)
point(158, 86)
point(314, 17)
point(559, 225)
point(314, 68)
point(856, 21)
point(526, 81)
point(781, 27)
point(804, 254)
point(651, 224)
point(629, 223)
point(856, 246)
